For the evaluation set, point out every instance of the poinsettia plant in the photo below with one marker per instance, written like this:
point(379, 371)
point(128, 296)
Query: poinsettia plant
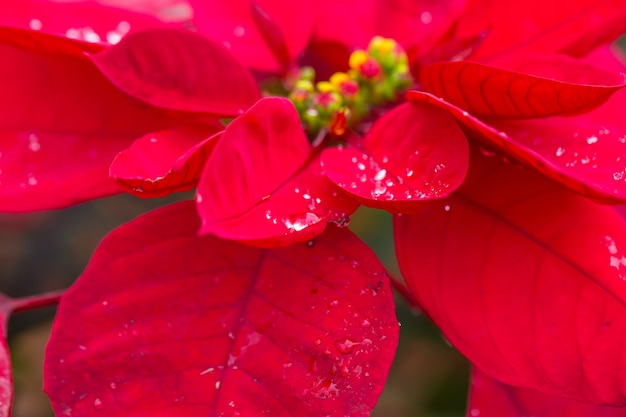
point(493, 131)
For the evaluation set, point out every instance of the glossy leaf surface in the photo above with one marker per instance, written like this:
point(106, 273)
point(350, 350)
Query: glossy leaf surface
point(525, 278)
point(61, 123)
point(264, 183)
point(179, 70)
point(415, 152)
point(491, 398)
point(585, 152)
point(164, 162)
point(235, 25)
point(219, 328)
point(530, 86)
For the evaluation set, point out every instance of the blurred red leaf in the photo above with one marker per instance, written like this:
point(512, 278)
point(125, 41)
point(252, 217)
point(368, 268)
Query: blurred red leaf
point(491, 398)
point(165, 162)
point(574, 27)
point(179, 70)
point(218, 328)
point(413, 153)
point(526, 278)
point(236, 25)
point(264, 184)
point(530, 86)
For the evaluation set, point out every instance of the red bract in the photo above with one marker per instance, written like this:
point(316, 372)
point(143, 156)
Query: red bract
point(523, 275)
point(217, 328)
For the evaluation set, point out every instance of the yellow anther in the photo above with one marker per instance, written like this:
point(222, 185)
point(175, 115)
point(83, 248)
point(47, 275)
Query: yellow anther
point(339, 78)
point(382, 45)
point(326, 87)
point(358, 58)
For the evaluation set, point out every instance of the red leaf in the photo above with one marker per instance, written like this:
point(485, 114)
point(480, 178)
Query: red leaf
point(533, 86)
point(584, 152)
point(179, 70)
point(61, 123)
point(217, 328)
point(87, 21)
point(234, 24)
point(573, 27)
point(165, 162)
point(490, 398)
point(525, 278)
point(264, 185)
point(413, 153)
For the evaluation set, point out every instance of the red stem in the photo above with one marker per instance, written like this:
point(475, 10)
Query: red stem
point(36, 301)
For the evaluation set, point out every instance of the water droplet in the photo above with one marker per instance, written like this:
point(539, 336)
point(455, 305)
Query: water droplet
point(585, 160)
point(439, 167)
point(113, 37)
point(345, 346)
point(342, 220)
point(317, 342)
point(35, 24)
point(592, 139)
point(239, 31)
point(446, 207)
point(380, 175)
point(559, 151)
point(426, 17)
point(310, 243)
point(355, 264)
point(618, 175)
point(379, 189)
point(365, 323)
point(97, 404)
point(113, 385)
point(217, 385)
point(334, 303)
point(475, 412)
point(487, 152)
point(361, 166)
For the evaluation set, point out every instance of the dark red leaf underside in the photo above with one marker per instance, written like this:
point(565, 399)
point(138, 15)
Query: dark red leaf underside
point(263, 183)
point(531, 86)
point(165, 162)
point(491, 398)
point(585, 152)
point(526, 278)
point(61, 123)
point(221, 329)
point(179, 70)
point(414, 153)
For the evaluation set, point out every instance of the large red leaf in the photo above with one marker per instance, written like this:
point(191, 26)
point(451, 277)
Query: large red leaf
point(415, 152)
point(220, 329)
point(165, 162)
point(235, 24)
point(491, 398)
point(61, 123)
point(179, 70)
point(87, 21)
point(526, 278)
point(575, 27)
point(530, 86)
point(263, 183)
point(585, 152)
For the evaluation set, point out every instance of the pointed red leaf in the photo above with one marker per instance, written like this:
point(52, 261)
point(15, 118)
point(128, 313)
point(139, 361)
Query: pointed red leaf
point(413, 153)
point(234, 24)
point(61, 123)
point(217, 328)
point(574, 27)
point(585, 153)
point(526, 278)
point(165, 162)
point(491, 398)
point(263, 183)
point(532, 86)
point(179, 70)
point(87, 21)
